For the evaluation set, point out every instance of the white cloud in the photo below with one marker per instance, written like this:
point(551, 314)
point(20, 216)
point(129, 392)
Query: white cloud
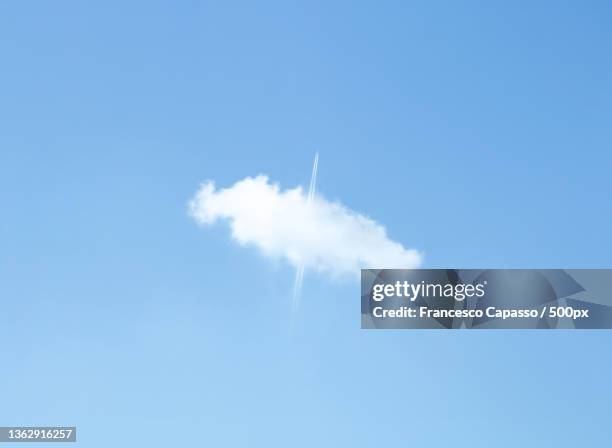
point(321, 235)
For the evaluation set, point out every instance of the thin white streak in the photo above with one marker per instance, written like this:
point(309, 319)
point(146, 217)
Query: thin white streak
point(299, 273)
point(297, 287)
point(313, 179)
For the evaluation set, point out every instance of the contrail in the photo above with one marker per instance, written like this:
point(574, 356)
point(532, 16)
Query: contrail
point(313, 178)
point(299, 273)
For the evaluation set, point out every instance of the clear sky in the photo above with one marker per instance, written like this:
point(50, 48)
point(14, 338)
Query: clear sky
point(476, 132)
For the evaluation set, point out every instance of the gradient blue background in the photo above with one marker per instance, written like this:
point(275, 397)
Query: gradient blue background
point(477, 132)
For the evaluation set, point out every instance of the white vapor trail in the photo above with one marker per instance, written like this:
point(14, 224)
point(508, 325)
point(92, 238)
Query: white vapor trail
point(299, 273)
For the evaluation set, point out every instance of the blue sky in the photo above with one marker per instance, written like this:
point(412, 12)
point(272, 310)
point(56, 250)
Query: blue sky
point(478, 133)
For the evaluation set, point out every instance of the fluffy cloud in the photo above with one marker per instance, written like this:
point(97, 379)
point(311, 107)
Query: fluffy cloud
point(282, 224)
